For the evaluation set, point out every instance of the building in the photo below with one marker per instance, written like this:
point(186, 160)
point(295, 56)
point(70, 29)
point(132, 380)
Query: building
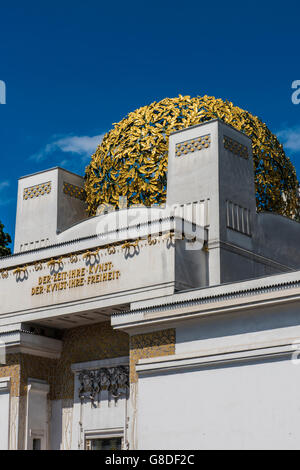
point(173, 327)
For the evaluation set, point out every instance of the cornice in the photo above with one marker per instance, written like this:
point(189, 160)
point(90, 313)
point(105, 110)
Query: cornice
point(212, 301)
point(107, 240)
point(205, 359)
point(20, 341)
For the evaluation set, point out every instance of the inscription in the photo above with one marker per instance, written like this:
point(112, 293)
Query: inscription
point(103, 272)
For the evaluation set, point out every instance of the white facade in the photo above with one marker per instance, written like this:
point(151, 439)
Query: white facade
point(162, 328)
point(234, 378)
point(4, 407)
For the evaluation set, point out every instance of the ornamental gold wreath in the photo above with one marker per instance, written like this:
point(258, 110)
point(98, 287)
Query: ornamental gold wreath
point(132, 159)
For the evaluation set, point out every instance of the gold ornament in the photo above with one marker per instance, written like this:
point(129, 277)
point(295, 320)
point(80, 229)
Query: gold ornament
point(4, 273)
point(38, 266)
point(132, 159)
point(73, 258)
point(53, 262)
point(89, 255)
point(20, 270)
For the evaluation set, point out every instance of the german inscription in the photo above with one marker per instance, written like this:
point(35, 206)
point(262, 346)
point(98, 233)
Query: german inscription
point(75, 278)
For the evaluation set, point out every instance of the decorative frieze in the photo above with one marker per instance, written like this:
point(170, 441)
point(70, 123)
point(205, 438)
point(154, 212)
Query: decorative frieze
point(192, 145)
point(90, 257)
point(19, 270)
point(37, 191)
point(74, 191)
point(113, 379)
point(38, 266)
point(235, 147)
point(55, 263)
point(154, 344)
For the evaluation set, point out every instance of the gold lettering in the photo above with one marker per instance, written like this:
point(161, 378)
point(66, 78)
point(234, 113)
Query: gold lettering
point(79, 282)
point(37, 290)
point(75, 278)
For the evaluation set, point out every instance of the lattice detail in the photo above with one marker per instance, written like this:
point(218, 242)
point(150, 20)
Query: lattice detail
point(235, 147)
point(37, 190)
point(74, 191)
point(193, 145)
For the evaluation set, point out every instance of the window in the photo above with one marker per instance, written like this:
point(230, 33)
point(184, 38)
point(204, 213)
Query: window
point(113, 443)
point(36, 444)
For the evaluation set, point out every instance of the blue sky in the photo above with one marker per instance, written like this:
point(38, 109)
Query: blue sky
point(72, 68)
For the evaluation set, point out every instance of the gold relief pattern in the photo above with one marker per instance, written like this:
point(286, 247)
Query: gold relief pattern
point(74, 191)
point(73, 258)
point(158, 343)
point(55, 262)
point(38, 266)
point(12, 369)
point(192, 145)
point(132, 159)
point(86, 343)
point(80, 344)
point(235, 147)
point(36, 367)
point(4, 273)
point(22, 272)
point(37, 190)
point(19, 367)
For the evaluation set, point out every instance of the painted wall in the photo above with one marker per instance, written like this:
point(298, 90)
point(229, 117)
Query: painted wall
point(246, 406)
point(4, 413)
point(248, 329)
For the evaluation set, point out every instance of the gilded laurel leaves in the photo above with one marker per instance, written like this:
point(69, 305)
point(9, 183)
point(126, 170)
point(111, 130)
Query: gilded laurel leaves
point(132, 160)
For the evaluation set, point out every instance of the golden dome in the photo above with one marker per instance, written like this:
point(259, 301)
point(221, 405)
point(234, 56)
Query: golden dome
point(132, 159)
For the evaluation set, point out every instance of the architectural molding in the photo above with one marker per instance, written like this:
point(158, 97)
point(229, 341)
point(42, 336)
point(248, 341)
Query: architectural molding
point(106, 433)
point(250, 294)
point(197, 360)
point(126, 232)
point(38, 386)
point(5, 384)
point(27, 343)
point(92, 365)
